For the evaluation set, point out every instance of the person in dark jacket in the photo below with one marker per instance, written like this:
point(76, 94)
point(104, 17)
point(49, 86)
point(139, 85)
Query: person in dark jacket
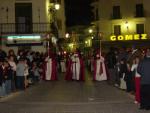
point(2, 54)
point(8, 75)
point(144, 70)
point(2, 81)
point(111, 62)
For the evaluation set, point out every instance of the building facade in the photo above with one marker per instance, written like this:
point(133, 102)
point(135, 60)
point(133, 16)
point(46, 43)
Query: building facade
point(120, 20)
point(26, 23)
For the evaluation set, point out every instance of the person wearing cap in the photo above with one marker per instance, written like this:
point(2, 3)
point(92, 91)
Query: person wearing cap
point(99, 68)
point(144, 70)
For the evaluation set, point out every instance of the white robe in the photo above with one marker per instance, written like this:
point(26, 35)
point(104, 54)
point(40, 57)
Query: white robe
point(48, 69)
point(103, 76)
point(63, 66)
point(76, 68)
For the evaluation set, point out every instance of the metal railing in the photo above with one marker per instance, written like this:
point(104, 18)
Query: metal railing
point(22, 28)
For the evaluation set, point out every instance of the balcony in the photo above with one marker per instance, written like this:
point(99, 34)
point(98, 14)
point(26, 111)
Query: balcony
point(19, 28)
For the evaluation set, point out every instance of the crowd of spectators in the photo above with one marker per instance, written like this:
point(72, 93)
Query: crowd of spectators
point(19, 71)
point(128, 69)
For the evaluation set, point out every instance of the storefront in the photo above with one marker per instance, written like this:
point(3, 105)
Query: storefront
point(128, 41)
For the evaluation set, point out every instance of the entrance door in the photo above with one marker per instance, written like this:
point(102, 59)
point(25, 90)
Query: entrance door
point(23, 17)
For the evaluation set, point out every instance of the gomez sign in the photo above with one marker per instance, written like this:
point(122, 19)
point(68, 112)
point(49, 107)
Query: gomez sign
point(128, 37)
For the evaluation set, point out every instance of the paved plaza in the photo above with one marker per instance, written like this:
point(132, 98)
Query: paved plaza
point(70, 97)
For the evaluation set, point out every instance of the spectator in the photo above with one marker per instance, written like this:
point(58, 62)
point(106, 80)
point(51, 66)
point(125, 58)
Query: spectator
point(13, 67)
point(2, 54)
point(7, 73)
point(2, 83)
point(137, 79)
point(12, 54)
point(122, 73)
point(36, 72)
point(111, 62)
point(144, 70)
point(20, 74)
point(26, 73)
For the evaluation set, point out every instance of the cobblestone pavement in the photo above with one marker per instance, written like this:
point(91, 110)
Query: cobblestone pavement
point(70, 97)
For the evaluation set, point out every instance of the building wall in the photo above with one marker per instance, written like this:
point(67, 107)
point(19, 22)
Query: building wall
point(127, 10)
point(36, 4)
point(39, 9)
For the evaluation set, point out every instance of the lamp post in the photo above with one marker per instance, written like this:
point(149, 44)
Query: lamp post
point(100, 38)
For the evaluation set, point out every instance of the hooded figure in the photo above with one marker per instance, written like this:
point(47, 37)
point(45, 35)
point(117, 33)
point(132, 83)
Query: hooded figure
point(99, 68)
point(50, 67)
point(75, 69)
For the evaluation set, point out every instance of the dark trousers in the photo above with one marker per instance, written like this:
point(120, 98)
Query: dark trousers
point(130, 82)
point(145, 96)
point(112, 75)
point(20, 82)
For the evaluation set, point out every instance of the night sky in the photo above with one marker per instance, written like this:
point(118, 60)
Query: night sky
point(78, 12)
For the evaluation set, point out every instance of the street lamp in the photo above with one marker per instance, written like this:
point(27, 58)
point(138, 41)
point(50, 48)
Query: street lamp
point(100, 39)
point(90, 31)
point(67, 35)
point(57, 6)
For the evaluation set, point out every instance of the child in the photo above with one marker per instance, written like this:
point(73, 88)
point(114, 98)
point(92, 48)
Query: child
point(20, 74)
point(137, 80)
point(36, 72)
point(122, 74)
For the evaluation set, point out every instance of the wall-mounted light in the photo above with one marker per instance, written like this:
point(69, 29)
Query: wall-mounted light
point(127, 24)
point(86, 42)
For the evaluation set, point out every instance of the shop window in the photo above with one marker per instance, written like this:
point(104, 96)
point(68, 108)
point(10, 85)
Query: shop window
point(139, 28)
point(117, 30)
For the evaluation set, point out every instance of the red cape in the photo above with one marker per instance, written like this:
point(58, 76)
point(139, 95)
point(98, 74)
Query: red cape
point(69, 73)
point(54, 70)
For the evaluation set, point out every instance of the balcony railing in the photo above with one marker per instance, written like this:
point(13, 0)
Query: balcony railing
point(21, 28)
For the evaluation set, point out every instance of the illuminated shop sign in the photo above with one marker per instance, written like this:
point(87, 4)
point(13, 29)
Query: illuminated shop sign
point(128, 37)
point(26, 37)
point(23, 39)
